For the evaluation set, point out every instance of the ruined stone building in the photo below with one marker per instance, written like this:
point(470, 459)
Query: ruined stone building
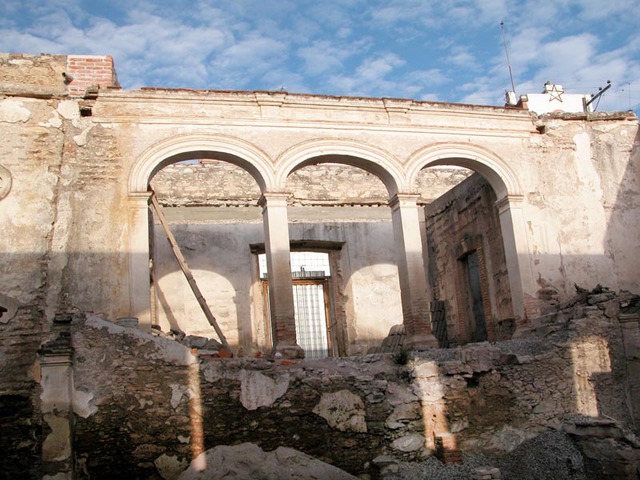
point(344, 230)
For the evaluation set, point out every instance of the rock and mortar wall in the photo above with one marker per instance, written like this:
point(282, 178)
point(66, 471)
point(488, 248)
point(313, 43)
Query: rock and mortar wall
point(146, 405)
point(211, 182)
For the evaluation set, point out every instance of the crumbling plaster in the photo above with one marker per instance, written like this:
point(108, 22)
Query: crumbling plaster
point(159, 399)
point(518, 147)
point(74, 237)
point(557, 209)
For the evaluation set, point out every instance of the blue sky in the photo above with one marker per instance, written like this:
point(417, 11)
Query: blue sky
point(447, 50)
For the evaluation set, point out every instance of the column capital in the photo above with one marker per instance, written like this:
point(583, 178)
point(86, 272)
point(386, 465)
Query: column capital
point(404, 200)
point(139, 199)
point(509, 201)
point(139, 195)
point(276, 199)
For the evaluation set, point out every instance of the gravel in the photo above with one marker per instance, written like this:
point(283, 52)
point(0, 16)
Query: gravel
point(549, 456)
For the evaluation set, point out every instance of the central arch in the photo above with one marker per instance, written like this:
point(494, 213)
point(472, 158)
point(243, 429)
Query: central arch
point(371, 159)
point(404, 219)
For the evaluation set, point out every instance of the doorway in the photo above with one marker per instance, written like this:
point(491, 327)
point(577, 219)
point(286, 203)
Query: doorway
point(476, 303)
point(311, 274)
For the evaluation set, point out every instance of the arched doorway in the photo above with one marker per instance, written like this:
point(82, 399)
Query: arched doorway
point(471, 251)
point(171, 151)
point(408, 243)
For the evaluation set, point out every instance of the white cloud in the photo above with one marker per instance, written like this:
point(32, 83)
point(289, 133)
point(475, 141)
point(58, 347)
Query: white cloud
point(360, 47)
point(321, 57)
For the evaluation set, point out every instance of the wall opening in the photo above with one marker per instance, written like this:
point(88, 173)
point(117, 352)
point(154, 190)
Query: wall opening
point(211, 206)
point(467, 263)
point(478, 325)
point(315, 319)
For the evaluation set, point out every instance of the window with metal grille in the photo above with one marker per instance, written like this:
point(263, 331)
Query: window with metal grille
point(303, 265)
point(310, 274)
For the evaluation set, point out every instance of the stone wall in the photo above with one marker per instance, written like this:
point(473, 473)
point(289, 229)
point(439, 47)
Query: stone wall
point(461, 221)
point(213, 182)
point(146, 405)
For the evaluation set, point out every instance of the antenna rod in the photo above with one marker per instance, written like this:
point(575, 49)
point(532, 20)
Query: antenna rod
point(506, 50)
point(600, 92)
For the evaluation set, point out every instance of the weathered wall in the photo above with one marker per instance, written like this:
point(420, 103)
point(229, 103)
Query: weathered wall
point(146, 405)
point(581, 206)
point(368, 303)
point(62, 167)
point(461, 221)
point(54, 258)
point(30, 159)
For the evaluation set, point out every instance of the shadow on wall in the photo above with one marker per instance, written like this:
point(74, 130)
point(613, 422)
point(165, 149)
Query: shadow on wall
point(146, 405)
point(226, 270)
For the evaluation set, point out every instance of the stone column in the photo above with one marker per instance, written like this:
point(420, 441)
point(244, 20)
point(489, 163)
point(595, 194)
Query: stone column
point(57, 402)
point(516, 249)
point(276, 233)
point(139, 273)
point(411, 271)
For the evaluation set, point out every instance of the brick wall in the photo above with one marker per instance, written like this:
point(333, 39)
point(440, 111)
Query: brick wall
point(84, 71)
point(462, 221)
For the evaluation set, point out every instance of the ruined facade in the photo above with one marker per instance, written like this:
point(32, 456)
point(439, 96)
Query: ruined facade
point(363, 211)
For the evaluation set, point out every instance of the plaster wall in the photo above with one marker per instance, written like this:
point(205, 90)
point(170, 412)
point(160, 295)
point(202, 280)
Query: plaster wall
point(219, 253)
point(566, 175)
point(581, 208)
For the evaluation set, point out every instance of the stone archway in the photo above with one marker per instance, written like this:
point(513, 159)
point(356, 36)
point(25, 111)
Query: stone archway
point(172, 150)
point(509, 203)
point(414, 289)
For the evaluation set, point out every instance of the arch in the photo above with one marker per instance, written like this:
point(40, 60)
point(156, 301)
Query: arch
point(509, 195)
point(374, 160)
point(175, 149)
point(499, 175)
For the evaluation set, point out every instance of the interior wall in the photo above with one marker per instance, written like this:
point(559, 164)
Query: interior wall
point(219, 254)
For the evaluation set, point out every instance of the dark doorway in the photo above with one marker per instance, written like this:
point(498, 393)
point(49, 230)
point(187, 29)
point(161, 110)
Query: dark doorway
point(478, 323)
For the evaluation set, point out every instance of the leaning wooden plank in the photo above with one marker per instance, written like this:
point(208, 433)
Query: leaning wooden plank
point(187, 272)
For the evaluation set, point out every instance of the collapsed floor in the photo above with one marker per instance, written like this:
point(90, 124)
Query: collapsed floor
point(117, 402)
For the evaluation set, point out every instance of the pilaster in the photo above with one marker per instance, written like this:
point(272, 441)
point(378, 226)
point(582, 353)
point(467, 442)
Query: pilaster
point(56, 365)
point(516, 249)
point(139, 272)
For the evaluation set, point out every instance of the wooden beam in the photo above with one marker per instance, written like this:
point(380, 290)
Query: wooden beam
point(187, 271)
